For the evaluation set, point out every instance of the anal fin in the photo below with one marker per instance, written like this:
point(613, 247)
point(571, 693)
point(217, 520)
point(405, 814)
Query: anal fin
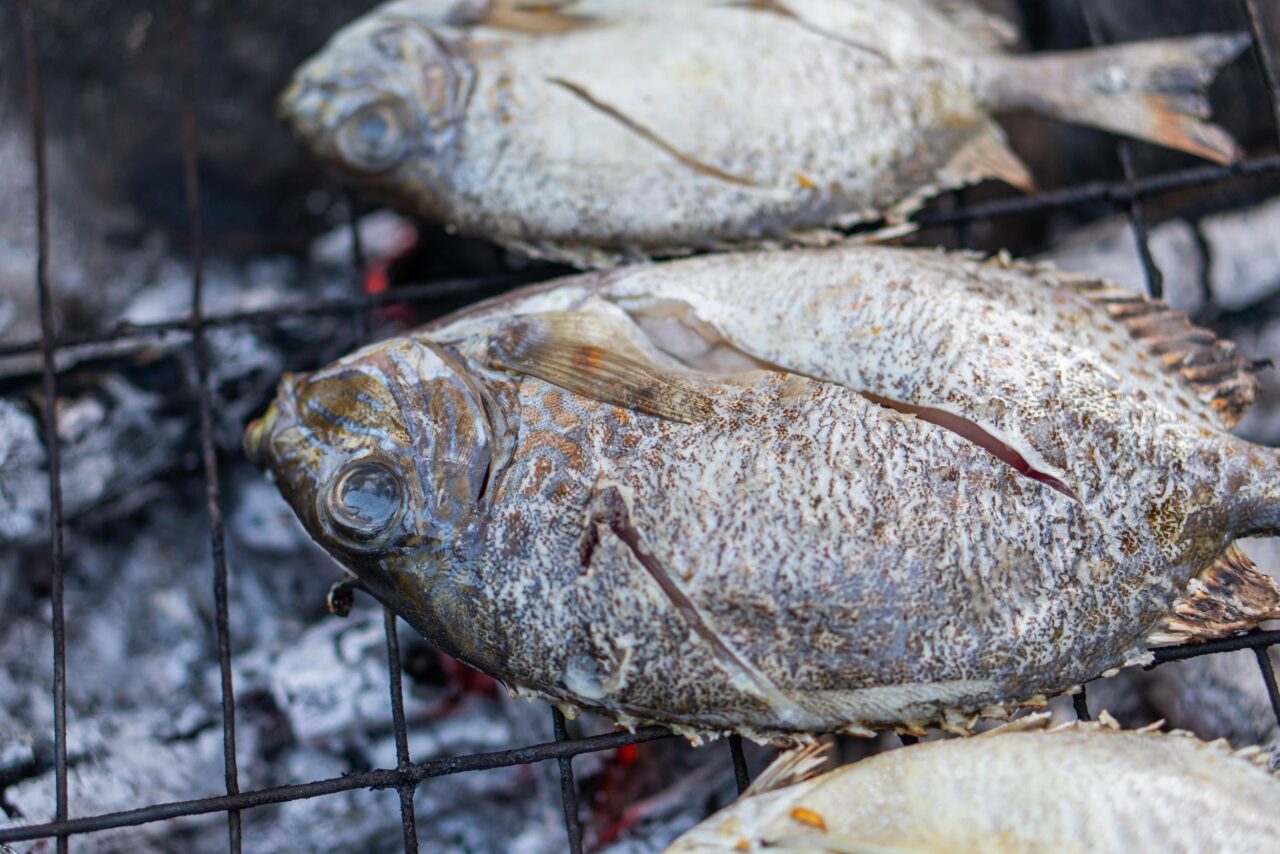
point(1228, 596)
point(986, 154)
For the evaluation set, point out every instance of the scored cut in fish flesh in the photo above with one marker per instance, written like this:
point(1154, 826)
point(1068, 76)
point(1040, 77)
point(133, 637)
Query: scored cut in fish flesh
point(780, 493)
point(603, 130)
point(1081, 787)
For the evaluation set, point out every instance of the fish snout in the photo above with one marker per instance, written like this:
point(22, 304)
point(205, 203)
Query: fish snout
point(287, 101)
point(258, 435)
point(303, 107)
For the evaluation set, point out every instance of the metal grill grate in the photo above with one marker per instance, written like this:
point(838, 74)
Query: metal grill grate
point(1128, 194)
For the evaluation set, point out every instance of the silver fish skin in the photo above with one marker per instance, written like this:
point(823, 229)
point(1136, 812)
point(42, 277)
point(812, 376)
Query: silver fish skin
point(1083, 787)
point(608, 130)
point(789, 492)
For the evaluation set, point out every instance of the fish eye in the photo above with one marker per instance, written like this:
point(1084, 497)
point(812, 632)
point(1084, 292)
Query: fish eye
point(374, 138)
point(364, 500)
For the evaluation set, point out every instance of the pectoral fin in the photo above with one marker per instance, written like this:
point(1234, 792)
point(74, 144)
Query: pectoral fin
point(598, 357)
point(532, 18)
point(1229, 596)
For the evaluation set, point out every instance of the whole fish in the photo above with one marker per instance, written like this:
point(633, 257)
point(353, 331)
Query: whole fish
point(1083, 787)
point(597, 131)
point(786, 492)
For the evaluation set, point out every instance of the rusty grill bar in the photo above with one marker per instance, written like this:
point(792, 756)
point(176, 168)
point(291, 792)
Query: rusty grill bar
point(50, 385)
point(1127, 194)
point(208, 455)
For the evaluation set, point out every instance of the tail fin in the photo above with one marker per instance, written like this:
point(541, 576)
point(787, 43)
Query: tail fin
point(1152, 90)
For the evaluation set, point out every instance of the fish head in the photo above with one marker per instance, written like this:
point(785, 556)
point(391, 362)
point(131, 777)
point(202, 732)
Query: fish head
point(383, 456)
point(382, 99)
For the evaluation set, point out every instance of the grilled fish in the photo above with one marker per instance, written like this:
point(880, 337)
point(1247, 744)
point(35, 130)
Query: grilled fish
point(786, 492)
point(1082, 787)
point(602, 130)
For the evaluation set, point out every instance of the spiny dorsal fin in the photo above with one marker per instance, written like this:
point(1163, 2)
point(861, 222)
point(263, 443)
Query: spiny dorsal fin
point(598, 357)
point(1228, 596)
point(794, 766)
point(990, 31)
point(782, 10)
point(1210, 366)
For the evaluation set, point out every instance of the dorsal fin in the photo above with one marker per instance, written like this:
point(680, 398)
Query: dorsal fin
point(991, 31)
point(794, 766)
point(1228, 596)
point(1209, 365)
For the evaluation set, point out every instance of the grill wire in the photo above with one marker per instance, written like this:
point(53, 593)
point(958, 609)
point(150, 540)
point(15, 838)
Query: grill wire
point(1127, 194)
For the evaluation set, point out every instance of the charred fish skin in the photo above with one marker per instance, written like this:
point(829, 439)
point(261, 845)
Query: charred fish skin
point(602, 131)
point(681, 497)
point(1014, 789)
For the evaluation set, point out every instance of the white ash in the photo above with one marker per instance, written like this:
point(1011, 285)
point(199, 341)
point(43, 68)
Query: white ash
point(24, 483)
point(1245, 268)
point(383, 234)
point(112, 436)
point(91, 279)
point(131, 414)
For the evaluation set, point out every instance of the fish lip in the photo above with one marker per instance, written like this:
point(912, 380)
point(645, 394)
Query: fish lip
point(256, 435)
point(304, 107)
point(289, 98)
point(256, 442)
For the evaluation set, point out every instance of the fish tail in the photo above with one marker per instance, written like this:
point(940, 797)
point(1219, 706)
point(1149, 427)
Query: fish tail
point(1151, 90)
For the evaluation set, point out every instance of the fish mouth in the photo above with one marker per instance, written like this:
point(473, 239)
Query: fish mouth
point(287, 101)
point(256, 442)
point(257, 436)
point(305, 106)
